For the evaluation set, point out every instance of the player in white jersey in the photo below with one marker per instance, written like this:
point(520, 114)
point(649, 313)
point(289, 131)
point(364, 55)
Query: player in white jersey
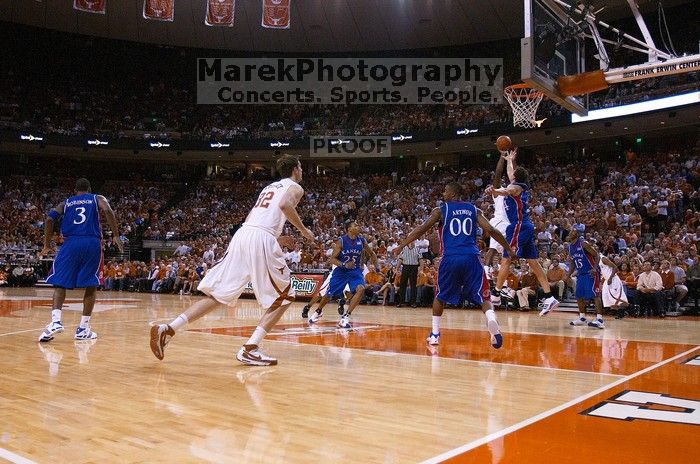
point(613, 296)
point(500, 218)
point(254, 255)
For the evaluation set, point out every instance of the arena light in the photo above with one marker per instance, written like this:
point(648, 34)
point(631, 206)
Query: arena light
point(641, 107)
point(219, 145)
point(279, 144)
point(31, 138)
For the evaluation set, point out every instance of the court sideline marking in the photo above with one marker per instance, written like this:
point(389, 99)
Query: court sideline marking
point(14, 458)
point(482, 441)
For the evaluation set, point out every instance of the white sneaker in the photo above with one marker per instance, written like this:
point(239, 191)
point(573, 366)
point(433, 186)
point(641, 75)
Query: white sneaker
point(315, 317)
point(344, 322)
point(495, 331)
point(50, 330)
point(84, 333)
point(253, 356)
point(579, 321)
point(495, 299)
point(433, 339)
point(160, 336)
point(550, 304)
point(597, 324)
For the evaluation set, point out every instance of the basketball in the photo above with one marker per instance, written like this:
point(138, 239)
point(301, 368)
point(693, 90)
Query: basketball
point(503, 143)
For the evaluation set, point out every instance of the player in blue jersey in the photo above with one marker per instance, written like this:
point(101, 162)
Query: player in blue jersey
point(461, 272)
point(520, 232)
point(347, 257)
point(584, 261)
point(79, 260)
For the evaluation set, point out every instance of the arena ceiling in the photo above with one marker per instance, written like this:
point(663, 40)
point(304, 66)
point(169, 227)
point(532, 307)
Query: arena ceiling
point(317, 25)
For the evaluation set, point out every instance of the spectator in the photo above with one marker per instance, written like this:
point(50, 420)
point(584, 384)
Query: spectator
point(650, 288)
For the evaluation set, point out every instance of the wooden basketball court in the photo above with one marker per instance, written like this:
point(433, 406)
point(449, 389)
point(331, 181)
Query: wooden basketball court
point(377, 393)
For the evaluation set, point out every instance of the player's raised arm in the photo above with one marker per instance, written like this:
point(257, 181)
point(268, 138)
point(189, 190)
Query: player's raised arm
point(289, 208)
point(111, 220)
point(500, 166)
point(494, 233)
point(435, 217)
point(51, 218)
point(509, 156)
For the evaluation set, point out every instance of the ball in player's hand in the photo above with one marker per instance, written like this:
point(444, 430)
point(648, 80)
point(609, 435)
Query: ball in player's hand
point(503, 143)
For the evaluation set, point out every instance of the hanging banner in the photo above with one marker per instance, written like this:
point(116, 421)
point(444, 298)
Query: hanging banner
point(220, 13)
point(159, 10)
point(90, 6)
point(275, 14)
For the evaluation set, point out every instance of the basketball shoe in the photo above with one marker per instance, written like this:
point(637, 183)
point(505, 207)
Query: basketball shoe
point(50, 330)
point(305, 311)
point(495, 331)
point(315, 316)
point(597, 324)
point(344, 322)
point(253, 356)
point(579, 321)
point(341, 306)
point(433, 339)
point(548, 305)
point(160, 336)
point(84, 333)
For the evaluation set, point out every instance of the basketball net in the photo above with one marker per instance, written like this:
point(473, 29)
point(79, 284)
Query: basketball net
point(524, 101)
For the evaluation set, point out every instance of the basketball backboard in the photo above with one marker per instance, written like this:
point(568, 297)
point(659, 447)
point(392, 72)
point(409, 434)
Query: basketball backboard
point(552, 47)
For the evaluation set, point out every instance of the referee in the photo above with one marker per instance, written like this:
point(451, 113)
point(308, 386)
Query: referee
point(408, 258)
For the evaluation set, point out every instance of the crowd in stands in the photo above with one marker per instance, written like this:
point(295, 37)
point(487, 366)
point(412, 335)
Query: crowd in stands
point(641, 211)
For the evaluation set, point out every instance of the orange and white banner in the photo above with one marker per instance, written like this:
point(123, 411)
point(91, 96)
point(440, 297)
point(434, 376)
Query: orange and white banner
point(220, 13)
point(275, 14)
point(91, 6)
point(160, 10)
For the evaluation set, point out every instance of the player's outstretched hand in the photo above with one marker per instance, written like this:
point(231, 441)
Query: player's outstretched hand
point(509, 154)
point(118, 243)
point(307, 234)
point(489, 190)
point(396, 251)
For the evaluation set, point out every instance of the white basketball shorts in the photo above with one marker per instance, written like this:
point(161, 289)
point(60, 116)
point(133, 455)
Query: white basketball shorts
point(252, 256)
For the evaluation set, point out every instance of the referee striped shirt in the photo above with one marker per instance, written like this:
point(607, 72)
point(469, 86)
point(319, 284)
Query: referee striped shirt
point(410, 256)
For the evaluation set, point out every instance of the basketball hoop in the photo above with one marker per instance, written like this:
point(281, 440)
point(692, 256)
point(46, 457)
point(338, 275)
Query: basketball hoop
point(524, 100)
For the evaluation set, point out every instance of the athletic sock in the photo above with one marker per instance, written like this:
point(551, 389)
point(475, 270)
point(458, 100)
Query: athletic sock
point(179, 322)
point(436, 324)
point(84, 321)
point(56, 315)
point(582, 315)
point(490, 316)
point(257, 336)
point(547, 295)
point(599, 316)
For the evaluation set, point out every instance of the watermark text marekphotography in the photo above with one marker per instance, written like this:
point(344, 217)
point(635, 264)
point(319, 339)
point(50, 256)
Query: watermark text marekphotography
point(349, 81)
